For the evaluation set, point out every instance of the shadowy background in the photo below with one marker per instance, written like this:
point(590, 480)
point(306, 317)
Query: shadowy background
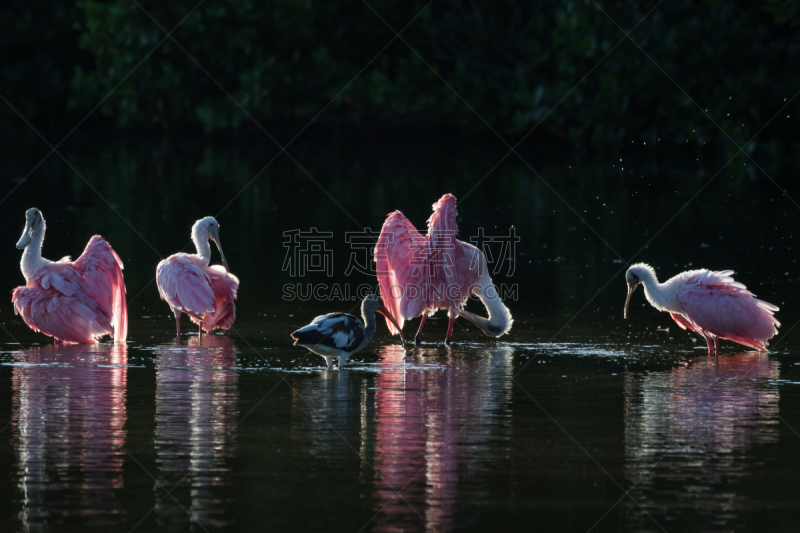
point(157, 134)
point(284, 61)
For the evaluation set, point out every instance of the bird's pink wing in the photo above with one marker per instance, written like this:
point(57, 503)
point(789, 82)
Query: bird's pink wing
point(725, 308)
point(401, 263)
point(53, 303)
point(224, 285)
point(444, 215)
point(185, 285)
point(682, 322)
point(445, 249)
point(101, 279)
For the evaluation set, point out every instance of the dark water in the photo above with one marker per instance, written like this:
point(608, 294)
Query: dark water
point(575, 421)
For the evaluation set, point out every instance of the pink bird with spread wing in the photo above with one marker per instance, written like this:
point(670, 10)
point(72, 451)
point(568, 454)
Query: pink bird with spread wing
point(76, 302)
point(189, 285)
point(418, 275)
point(709, 303)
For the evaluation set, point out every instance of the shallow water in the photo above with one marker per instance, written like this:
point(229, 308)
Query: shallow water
point(423, 439)
point(574, 421)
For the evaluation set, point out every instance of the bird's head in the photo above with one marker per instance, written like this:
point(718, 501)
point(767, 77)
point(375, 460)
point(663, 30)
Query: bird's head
point(638, 273)
point(207, 229)
point(34, 226)
point(373, 303)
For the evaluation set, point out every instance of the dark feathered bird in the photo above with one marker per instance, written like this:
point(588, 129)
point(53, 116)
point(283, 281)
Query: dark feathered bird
point(341, 335)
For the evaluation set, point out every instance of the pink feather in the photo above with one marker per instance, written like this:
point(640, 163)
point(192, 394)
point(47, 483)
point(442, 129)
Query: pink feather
point(418, 275)
point(103, 282)
point(401, 263)
point(77, 302)
point(444, 248)
point(205, 293)
point(713, 303)
point(224, 286)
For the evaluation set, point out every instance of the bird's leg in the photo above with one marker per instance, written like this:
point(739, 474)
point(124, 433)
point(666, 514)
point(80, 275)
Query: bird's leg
point(449, 328)
point(178, 321)
point(710, 344)
point(200, 331)
point(716, 345)
point(329, 361)
point(342, 360)
point(418, 338)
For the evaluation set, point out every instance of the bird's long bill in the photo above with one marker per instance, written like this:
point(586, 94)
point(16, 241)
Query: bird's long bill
point(215, 237)
point(25, 240)
point(385, 312)
point(631, 288)
point(498, 328)
point(477, 321)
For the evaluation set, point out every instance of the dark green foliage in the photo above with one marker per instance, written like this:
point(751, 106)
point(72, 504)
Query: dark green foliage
point(512, 62)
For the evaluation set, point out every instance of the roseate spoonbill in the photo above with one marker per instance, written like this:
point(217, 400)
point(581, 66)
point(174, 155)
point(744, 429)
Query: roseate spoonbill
point(709, 303)
point(341, 335)
point(189, 285)
point(72, 301)
point(420, 275)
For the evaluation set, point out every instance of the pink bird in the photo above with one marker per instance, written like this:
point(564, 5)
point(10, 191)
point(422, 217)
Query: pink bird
point(76, 301)
point(189, 285)
point(420, 275)
point(709, 303)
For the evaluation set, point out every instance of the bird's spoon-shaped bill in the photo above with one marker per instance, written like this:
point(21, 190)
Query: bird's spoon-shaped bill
point(215, 237)
point(631, 287)
point(385, 312)
point(25, 240)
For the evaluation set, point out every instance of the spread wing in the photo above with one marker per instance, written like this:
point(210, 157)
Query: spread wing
point(54, 303)
point(102, 281)
point(445, 247)
point(717, 304)
point(185, 285)
point(400, 257)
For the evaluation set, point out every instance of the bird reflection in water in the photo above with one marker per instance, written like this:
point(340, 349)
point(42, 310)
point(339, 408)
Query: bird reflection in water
point(333, 406)
point(68, 435)
point(691, 432)
point(196, 398)
point(433, 432)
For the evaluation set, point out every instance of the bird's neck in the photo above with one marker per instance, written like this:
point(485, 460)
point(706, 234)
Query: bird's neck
point(203, 248)
point(369, 326)
point(32, 258)
point(499, 320)
point(661, 295)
